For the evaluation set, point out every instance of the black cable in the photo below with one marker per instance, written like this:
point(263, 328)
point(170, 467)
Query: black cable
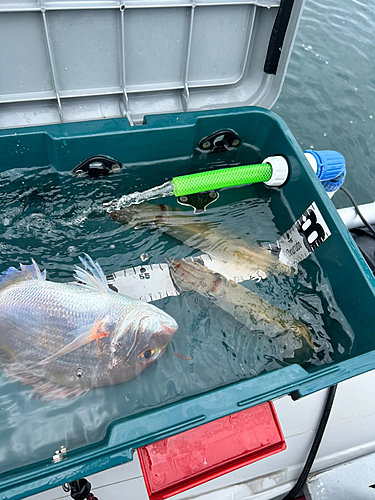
point(315, 446)
point(277, 36)
point(365, 222)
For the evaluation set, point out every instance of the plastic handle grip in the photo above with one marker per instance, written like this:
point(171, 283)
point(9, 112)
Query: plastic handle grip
point(221, 178)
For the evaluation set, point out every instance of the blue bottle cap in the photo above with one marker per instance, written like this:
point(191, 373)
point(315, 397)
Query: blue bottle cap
point(330, 164)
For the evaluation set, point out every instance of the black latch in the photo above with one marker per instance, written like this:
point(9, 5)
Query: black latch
point(97, 166)
point(222, 140)
point(79, 490)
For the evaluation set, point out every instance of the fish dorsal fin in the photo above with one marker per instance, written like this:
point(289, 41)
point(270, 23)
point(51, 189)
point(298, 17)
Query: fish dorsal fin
point(12, 275)
point(92, 276)
point(32, 272)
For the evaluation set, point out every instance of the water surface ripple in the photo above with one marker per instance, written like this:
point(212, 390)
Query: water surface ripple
point(328, 97)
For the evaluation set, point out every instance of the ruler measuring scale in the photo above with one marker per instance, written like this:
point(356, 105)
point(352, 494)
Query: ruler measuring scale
point(147, 282)
point(153, 282)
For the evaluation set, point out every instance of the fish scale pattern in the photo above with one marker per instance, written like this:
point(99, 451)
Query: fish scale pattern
point(221, 178)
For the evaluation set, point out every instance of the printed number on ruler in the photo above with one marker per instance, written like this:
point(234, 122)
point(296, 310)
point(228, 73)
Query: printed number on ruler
point(143, 274)
point(312, 231)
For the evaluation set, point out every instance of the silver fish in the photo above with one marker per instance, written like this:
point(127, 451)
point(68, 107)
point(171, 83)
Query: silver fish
point(64, 339)
point(245, 306)
point(243, 259)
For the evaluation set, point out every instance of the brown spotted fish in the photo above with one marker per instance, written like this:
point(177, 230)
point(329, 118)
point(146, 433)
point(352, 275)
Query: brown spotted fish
point(253, 261)
point(245, 306)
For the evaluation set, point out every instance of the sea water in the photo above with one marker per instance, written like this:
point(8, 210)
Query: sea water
point(53, 218)
point(328, 96)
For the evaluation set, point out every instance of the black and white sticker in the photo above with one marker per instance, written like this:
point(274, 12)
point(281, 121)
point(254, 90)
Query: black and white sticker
point(306, 234)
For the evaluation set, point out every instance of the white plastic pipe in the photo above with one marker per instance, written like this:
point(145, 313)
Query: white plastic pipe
point(352, 220)
point(309, 157)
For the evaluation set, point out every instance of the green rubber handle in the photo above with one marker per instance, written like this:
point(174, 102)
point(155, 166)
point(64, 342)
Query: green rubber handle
point(221, 178)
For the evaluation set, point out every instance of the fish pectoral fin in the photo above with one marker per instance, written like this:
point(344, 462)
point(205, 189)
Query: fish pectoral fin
point(84, 335)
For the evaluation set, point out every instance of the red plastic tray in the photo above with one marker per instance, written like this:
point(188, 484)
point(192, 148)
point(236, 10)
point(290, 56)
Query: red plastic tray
point(185, 460)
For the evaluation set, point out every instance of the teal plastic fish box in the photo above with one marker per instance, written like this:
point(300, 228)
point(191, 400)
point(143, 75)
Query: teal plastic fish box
point(103, 99)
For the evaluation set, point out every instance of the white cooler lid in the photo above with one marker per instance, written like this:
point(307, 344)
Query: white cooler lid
point(63, 61)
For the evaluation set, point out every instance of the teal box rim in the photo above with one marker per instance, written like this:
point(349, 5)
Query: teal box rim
point(117, 446)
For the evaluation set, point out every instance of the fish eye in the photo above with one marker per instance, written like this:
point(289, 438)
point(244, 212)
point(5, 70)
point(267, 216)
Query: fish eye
point(219, 278)
point(146, 355)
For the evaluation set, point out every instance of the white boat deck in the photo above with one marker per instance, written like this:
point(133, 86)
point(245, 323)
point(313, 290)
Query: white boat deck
point(351, 480)
point(350, 434)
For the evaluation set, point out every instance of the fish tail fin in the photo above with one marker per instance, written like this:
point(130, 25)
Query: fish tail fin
point(92, 276)
point(13, 275)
